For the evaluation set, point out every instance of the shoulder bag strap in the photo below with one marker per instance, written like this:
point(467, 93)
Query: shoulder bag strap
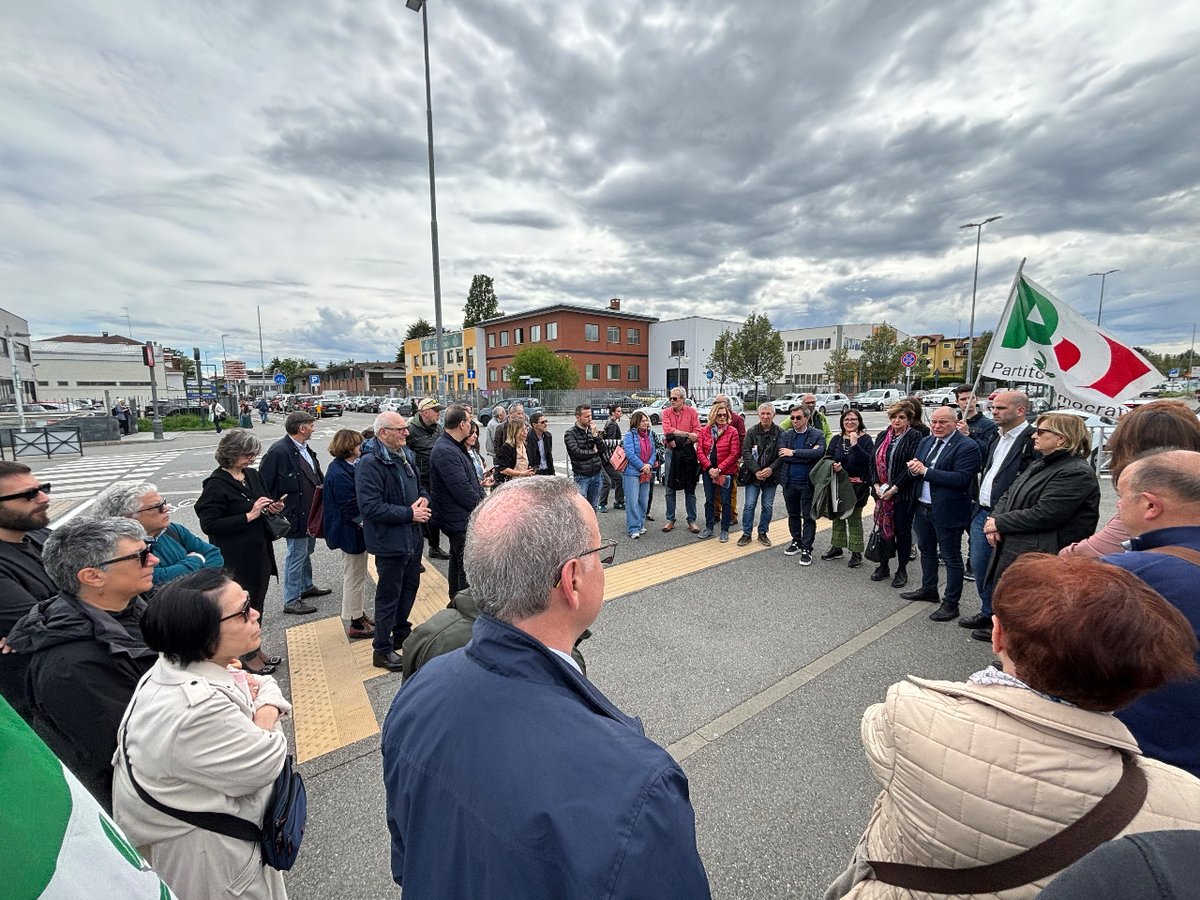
point(221, 823)
point(1185, 553)
point(1101, 823)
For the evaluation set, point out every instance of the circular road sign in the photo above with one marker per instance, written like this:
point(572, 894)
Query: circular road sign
point(909, 359)
point(280, 378)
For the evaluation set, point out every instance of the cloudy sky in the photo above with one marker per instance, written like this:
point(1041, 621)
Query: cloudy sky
point(192, 161)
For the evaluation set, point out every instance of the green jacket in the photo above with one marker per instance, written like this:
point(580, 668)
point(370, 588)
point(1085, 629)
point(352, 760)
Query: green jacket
point(824, 480)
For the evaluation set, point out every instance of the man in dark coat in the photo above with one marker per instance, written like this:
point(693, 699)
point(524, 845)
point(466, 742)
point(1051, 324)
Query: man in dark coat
point(290, 471)
point(587, 804)
point(393, 507)
point(539, 447)
point(454, 489)
point(584, 447)
point(423, 432)
point(24, 515)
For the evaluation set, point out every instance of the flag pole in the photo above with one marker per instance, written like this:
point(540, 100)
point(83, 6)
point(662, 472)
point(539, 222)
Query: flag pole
point(1008, 305)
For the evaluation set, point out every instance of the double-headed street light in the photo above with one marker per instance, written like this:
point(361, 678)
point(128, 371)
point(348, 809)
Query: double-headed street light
point(978, 226)
point(1102, 275)
point(419, 6)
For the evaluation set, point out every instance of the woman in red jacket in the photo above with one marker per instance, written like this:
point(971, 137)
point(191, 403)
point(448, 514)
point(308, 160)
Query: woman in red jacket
point(719, 451)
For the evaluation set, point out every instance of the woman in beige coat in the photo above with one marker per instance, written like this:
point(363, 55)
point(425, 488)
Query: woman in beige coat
point(977, 772)
point(201, 737)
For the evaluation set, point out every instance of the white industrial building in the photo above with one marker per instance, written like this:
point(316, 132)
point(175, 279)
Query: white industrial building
point(807, 350)
point(101, 367)
point(679, 350)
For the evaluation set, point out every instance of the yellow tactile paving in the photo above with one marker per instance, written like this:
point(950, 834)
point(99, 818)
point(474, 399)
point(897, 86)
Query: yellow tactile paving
point(330, 706)
point(433, 595)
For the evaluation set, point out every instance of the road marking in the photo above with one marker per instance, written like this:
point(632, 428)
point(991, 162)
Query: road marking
point(752, 706)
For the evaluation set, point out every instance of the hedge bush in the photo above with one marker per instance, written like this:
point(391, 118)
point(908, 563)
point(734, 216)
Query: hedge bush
point(176, 423)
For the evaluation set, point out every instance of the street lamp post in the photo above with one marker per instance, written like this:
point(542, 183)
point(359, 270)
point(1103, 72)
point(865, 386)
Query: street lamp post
point(1103, 275)
point(9, 334)
point(419, 6)
point(978, 226)
point(680, 360)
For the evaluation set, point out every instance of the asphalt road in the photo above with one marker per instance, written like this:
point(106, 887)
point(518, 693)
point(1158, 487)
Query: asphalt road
point(755, 672)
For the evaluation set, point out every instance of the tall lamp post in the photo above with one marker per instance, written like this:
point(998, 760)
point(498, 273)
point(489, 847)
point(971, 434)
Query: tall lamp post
point(978, 226)
point(680, 360)
point(9, 334)
point(1103, 275)
point(419, 6)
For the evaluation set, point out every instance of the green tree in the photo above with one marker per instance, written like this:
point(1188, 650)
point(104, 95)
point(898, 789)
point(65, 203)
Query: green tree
point(481, 301)
point(839, 369)
point(419, 329)
point(558, 373)
point(290, 366)
point(880, 360)
point(758, 352)
point(723, 358)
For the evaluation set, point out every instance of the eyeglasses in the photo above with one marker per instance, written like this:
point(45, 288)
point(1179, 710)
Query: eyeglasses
point(1041, 431)
point(162, 506)
point(799, 418)
point(30, 494)
point(400, 428)
point(607, 551)
point(142, 556)
point(244, 612)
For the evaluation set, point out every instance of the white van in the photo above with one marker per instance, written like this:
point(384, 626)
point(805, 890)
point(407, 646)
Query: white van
point(880, 398)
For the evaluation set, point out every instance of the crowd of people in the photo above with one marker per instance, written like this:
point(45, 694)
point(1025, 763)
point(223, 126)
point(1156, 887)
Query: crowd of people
point(133, 645)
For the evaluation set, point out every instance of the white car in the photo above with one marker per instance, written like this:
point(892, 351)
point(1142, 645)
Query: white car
point(832, 403)
point(784, 404)
point(941, 397)
point(655, 409)
point(402, 405)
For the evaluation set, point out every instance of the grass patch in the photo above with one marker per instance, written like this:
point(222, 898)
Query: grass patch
point(176, 423)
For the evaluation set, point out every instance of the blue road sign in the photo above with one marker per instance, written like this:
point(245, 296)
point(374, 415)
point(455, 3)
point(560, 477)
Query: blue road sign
point(1174, 373)
point(314, 380)
point(471, 373)
point(709, 374)
point(280, 378)
point(909, 359)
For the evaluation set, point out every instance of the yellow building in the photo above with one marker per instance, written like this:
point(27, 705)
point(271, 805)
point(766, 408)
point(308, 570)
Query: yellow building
point(947, 356)
point(463, 363)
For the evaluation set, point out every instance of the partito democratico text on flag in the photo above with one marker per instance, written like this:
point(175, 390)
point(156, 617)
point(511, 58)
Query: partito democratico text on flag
point(1041, 340)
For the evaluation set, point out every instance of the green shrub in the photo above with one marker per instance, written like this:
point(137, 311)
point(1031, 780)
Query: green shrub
point(175, 423)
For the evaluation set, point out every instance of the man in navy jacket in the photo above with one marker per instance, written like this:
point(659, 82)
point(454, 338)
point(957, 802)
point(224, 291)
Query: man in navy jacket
point(1160, 507)
point(454, 489)
point(944, 470)
point(508, 774)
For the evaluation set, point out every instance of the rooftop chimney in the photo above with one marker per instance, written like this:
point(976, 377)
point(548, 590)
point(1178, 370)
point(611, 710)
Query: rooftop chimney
point(615, 304)
point(104, 334)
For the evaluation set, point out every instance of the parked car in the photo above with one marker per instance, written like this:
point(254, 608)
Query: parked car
point(784, 404)
point(832, 404)
point(878, 399)
point(734, 404)
point(531, 404)
point(325, 407)
point(941, 397)
point(753, 398)
point(655, 409)
point(600, 408)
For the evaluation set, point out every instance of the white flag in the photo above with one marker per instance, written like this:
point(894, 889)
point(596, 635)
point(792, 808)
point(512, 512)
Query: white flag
point(1041, 340)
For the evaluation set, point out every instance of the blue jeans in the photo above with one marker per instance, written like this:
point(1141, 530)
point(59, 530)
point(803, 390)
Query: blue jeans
point(399, 578)
point(589, 486)
point(754, 490)
point(689, 497)
point(980, 552)
point(297, 567)
point(936, 541)
point(801, 524)
point(637, 496)
point(710, 492)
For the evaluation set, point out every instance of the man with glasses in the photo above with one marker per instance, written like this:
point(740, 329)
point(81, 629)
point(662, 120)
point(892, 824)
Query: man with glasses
point(580, 794)
point(24, 515)
point(394, 506)
point(290, 470)
point(800, 447)
point(681, 468)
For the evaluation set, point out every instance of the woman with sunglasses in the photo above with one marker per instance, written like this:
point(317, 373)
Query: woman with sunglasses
point(179, 551)
point(720, 453)
point(85, 647)
point(201, 736)
point(231, 507)
point(1053, 503)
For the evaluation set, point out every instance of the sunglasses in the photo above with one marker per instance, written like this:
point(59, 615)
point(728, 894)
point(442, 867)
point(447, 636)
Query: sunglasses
point(30, 494)
point(799, 418)
point(161, 507)
point(608, 552)
point(142, 556)
point(1041, 431)
point(244, 612)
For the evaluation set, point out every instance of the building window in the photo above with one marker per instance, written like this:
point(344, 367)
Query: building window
point(535, 333)
point(504, 339)
point(614, 372)
point(677, 348)
point(945, 363)
point(458, 357)
point(506, 374)
point(633, 336)
point(591, 332)
point(946, 345)
point(518, 335)
point(491, 339)
point(614, 334)
point(470, 357)
point(591, 371)
point(22, 352)
point(633, 373)
point(552, 331)
point(491, 374)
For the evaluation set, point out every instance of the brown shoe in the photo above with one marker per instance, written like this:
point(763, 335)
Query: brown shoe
point(693, 528)
point(763, 539)
point(670, 526)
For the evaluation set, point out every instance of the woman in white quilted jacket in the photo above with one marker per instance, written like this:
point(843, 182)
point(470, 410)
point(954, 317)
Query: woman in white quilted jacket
point(975, 773)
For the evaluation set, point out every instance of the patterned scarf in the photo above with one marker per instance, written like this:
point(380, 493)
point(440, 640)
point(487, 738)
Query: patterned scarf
point(885, 510)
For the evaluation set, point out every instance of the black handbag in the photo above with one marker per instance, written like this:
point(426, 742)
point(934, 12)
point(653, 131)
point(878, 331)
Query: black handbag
point(277, 524)
point(746, 476)
point(879, 548)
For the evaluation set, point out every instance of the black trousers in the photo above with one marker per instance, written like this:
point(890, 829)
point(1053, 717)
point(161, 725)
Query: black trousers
point(399, 578)
point(434, 534)
point(458, 575)
point(613, 481)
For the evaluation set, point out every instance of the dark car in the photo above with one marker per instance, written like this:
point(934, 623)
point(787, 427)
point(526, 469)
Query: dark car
point(600, 408)
point(325, 408)
point(531, 404)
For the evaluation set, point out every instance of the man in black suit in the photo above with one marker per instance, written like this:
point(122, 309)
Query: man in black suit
point(944, 471)
point(538, 445)
point(1010, 451)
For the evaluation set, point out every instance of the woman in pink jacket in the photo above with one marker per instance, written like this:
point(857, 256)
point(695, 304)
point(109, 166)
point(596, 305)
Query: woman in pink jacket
point(719, 451)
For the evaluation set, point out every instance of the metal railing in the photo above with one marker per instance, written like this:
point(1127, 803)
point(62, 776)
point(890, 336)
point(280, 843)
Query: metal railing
point(49, 441)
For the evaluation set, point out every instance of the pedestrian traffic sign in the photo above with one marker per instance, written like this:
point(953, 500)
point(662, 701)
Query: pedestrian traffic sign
point(909, 359)
point(280, 378)
point(314, 380)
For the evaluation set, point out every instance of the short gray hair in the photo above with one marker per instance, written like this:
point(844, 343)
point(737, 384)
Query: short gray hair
point(384, 418)
point(235, 444)
point(84, 543)
point(517, 541)
point(122, 499)
point(770, 406)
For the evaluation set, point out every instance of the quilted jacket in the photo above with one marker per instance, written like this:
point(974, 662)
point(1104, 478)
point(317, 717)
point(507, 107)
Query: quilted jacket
point(973, 774)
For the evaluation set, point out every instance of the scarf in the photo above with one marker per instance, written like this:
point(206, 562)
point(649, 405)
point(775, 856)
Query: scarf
point(885, 510)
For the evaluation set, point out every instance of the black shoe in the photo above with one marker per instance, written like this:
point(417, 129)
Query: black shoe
point(832, 553)
point(922, 594)
point(900, 579)
point(744, 540)
point(392, 661)
point(438, 553)
point(855, 561)
point(880, 573)
point(618, 505)
point(792, 549)
point(299, 608)
point(315, 591)
point(944, 613)
point(982, 634)
point(979, 620)
point(649, 518)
